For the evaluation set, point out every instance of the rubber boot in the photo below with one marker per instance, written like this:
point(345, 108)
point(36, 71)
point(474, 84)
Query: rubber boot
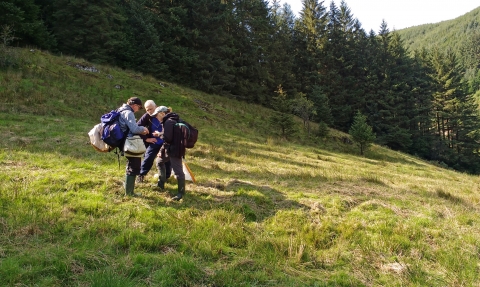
point(130, 186)
point(162, 177)
point(181, 190)
point(168, 170)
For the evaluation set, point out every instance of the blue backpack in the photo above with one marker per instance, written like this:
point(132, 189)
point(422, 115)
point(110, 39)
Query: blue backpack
point(112, 134)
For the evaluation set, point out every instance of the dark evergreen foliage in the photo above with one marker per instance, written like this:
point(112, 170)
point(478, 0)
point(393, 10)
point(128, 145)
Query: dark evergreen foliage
point(281, 60)
point(23, 17)
point(361, 132)
point(281, 122)
point(305, 109)
point(322, 107)
point(88, 28)
point(452, 34)
point(456, 116)
point(416, 99)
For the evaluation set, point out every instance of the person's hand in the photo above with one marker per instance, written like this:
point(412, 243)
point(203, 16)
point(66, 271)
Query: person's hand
point(151, 140)
point(145, 131)
point(157, 133)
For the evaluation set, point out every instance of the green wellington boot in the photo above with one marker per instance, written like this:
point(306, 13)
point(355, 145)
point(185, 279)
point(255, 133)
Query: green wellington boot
point(181, 190)
point(130, 186)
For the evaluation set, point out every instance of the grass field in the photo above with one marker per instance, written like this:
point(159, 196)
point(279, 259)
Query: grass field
point(265, 211)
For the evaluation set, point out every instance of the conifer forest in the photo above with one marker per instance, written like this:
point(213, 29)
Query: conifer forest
point(421, 100)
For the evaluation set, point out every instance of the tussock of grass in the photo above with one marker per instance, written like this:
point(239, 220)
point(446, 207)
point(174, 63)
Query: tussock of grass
point(265, 211)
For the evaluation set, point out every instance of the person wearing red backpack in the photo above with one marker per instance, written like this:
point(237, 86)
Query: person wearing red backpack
point(172, 150)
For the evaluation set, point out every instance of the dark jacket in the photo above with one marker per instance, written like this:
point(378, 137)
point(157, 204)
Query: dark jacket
point(146, 121)
point(172, 136)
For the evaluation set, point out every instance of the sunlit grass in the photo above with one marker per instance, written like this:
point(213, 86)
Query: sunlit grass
point(265, 211)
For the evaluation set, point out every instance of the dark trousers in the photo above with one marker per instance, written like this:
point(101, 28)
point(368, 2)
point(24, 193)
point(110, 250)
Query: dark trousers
point(177, 166)
point(133, 165)
point(150, 155)
point(170, 163)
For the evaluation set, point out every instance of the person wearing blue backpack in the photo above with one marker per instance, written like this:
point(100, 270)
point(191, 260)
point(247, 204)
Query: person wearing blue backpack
point(129, 125)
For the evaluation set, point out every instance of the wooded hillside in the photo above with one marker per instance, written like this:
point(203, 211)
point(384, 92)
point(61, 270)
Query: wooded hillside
point(452, 34)
point(422, 104)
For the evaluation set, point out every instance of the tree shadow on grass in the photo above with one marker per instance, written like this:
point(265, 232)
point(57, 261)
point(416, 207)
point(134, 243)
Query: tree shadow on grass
point(255, 202)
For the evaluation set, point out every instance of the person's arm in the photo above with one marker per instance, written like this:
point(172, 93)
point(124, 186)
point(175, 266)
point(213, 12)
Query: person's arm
point(132, 124)
point(158, 134)
point(145, 121)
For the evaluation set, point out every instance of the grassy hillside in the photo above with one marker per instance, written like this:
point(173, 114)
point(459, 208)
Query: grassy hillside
point(451, 34)
point(264, 212)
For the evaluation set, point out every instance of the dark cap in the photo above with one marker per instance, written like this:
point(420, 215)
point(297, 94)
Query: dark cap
point(134, 101)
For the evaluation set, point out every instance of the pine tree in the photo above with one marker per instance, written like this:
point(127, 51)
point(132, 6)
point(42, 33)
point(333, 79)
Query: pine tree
point(421, 120)
point(390, 104)
point(144, 50)
point(23, 17)
point(456, 115)
point(281, 52)
point(282, 119)
point(321, 105)
point(252, 31)
point(305, 109)
point(342, 75)
point(447, 80)
point(210, 24)
point(88, 28)
point(471, 51)
point(361, 132)
point(467, 136)
point(309, 39)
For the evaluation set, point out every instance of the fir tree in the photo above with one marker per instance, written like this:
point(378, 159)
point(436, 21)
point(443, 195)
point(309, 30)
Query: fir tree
point(321, 105)
point(282, 119)
point(143, 49)
point(421, 120)
point(361, 132)
point(252, 30)
point(389, 105)
point(282, 50)
point(23, 17)
point(309, 39)
point(89, 28)
point(456, 115)
point(343, 74)
point(305, 109)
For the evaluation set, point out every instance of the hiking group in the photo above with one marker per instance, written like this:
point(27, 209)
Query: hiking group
point(163, 142)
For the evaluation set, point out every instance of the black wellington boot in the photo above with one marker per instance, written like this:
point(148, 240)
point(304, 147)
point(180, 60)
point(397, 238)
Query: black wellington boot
point(181, 190)
point(162, 178)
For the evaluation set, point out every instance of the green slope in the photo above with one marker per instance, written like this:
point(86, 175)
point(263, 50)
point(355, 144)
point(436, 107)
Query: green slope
point(264, 212)
point(446, 34)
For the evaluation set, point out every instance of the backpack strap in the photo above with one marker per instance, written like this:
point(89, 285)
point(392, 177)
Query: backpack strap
point(180, 124)
point(121, 109)
point(118, 152)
